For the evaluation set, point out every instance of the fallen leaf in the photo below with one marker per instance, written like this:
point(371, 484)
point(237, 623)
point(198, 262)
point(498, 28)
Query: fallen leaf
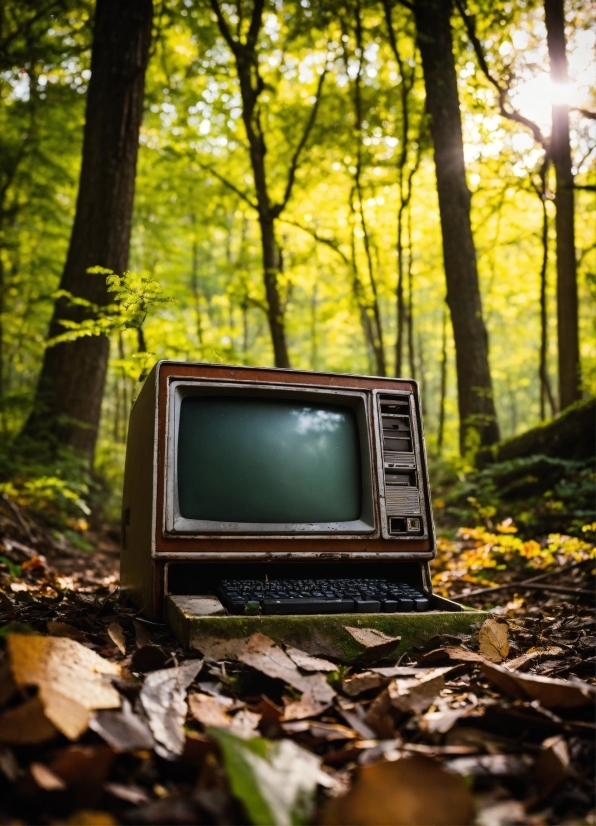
point(415, 694)
point(122, 730)
point(450, 654)
point(245, 723)
point(72, 680)
point(307, 662)
point(208, 711)
point(26, 724)
point(413, 791)
point(84, 769)
point(551, 767)
point(319, 730)
point(493, 639)
point(63, 629)
point(501, 813)
point(142, 636)
point(116, 634)
point(275, 781)
point(359, 683)
point(302, 709)
point(377, 644)
point(522, 661)
point(163, 697)
point(45, 778)
point(264, 655)
point(444, 717)
point(380, 717)
point(130, 793)
point(550, 692)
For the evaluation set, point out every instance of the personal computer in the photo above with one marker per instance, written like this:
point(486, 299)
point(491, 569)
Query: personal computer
point(277, 492)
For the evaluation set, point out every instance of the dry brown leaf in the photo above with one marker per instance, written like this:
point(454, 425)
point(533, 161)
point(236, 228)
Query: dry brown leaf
point(302, 709)
point(452, 653)
point(208, 711)
point(116, 634)
point(519, 663)
point(415, 694)
point(63, 629)
point(91, 817)
point(444, 717)
point(245, 723)
point(45, 778)
point(307, 662)
point(84, 769)
point(123, 730)
point(377, 644)
point(359, 683)
point(163, 697)
point(550, 692)
point(26, 724)
point(72, 680)
point(552, 765)
point(413, 791)
point(379, 716)
point(494, 640)
point(261, 653)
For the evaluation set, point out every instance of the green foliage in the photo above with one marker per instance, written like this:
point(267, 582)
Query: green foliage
point(542, 495)
point(195, 232)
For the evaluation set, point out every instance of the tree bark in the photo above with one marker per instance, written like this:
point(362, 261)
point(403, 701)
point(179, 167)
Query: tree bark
point(567, 309)
point(67, 404)
point(475, 395)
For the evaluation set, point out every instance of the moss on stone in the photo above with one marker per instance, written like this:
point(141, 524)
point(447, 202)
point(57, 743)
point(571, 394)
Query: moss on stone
point(322, 635)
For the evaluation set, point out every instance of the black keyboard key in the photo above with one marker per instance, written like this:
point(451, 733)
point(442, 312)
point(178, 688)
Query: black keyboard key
point(307, 606)
point(367, 606)
point(390, 606)
point(422, 604)
point(406, 604)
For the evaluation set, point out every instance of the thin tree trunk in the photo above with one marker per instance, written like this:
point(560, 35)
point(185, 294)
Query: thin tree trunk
point(545, 388)
point(443, 390)
point(194, 282)
point(560, 150)
point(478, 419)
point(374, 309)
point(410, 314)
point(67, 404)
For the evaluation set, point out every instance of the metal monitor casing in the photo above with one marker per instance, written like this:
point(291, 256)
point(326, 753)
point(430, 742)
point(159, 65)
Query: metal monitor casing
point(154, 536)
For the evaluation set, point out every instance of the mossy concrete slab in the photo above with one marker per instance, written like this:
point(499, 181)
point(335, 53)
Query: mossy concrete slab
point(323, 635)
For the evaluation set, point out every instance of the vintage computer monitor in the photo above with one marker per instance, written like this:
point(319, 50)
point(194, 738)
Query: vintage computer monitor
point(280, 486)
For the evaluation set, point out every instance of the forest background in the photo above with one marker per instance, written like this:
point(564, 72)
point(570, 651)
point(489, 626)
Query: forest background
point(356, 280)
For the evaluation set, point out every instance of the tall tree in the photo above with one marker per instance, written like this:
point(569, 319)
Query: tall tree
point(246, 59)
point(475, 394)
point(560, 151)
point(67, 404)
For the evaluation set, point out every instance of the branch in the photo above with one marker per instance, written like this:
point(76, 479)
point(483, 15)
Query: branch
point(224, 28)
point(278, 208)
point(586, 113)
point(329, 242)
point(229, 184)
point(502, 91)
point(255, 25)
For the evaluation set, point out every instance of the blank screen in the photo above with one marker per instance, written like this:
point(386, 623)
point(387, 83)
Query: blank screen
point(267, 460)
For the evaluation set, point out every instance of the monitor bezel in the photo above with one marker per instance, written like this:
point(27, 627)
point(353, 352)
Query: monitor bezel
point(177, 525)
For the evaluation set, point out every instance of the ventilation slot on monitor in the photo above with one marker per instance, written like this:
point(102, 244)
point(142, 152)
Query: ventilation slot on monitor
point(402, 494)
point(402, 500)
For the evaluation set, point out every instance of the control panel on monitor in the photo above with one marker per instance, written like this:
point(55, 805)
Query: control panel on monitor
point(253, 474)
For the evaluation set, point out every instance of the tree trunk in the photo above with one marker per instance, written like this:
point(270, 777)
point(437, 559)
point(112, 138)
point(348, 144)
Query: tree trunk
point(567, 310)
point(67, 403)
point(475, 396)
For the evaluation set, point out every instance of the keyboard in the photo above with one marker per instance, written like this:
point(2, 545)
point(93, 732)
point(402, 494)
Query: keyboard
point(320, 596)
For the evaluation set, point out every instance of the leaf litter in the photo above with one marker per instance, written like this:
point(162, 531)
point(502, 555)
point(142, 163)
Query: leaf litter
point(103, 715)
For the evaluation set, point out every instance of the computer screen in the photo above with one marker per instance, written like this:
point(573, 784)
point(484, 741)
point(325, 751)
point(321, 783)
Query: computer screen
point(264, 460)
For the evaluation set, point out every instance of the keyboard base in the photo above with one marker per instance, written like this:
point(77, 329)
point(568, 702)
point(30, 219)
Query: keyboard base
point(320, 635)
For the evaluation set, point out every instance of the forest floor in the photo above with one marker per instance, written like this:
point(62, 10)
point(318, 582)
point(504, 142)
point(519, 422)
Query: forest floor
point(104, 718)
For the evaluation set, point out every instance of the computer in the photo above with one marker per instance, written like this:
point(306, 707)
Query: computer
point(277, 492)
